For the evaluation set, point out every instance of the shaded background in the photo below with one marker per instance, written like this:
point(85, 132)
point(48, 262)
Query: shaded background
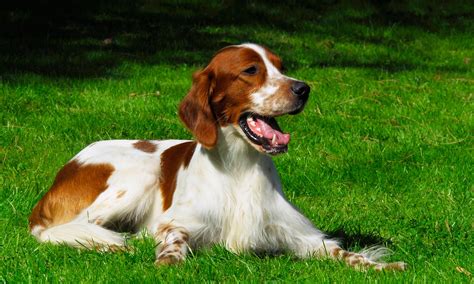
point(88, 38)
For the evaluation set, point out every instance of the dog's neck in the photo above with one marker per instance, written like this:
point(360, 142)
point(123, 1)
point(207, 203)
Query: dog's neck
point(232, 152)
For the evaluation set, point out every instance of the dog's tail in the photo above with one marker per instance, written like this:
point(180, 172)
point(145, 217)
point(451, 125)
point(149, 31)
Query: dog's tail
point(81, 235)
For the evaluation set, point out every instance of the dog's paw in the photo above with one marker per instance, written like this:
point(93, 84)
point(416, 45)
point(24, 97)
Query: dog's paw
point(168, 259)
point(392, 266)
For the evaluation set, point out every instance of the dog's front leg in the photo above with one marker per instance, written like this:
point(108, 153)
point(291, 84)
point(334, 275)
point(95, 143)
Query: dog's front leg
point(299, 236)
point(173, 244)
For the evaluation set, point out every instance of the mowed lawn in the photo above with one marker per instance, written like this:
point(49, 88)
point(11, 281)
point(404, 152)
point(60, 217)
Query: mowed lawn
point(382, 154)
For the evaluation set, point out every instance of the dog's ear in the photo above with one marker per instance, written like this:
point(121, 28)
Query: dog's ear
point(195, 109)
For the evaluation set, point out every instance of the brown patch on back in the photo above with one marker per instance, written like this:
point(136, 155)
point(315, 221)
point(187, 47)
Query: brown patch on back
point(74, 188)
point(171, 161)
point(145, 146)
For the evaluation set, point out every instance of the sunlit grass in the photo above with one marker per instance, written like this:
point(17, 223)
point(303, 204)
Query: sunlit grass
point(382, 154)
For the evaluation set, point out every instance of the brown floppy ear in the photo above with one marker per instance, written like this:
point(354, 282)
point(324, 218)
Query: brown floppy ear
point(195, 110)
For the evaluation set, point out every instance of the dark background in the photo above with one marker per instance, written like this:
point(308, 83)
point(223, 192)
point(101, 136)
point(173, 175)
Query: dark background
point(52, 37)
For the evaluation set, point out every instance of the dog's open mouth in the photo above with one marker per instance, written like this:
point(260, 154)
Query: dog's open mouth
point(265, 132)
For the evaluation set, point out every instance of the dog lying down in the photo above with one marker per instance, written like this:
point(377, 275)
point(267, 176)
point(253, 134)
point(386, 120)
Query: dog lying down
point(222, 188)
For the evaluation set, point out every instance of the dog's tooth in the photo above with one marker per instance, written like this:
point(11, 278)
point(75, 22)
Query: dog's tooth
point(274, 139)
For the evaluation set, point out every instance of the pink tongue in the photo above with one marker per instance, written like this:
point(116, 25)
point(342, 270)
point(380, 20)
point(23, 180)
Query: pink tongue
point(268, 132)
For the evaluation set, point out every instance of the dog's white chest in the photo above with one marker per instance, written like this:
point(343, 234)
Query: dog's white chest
point(232, 209)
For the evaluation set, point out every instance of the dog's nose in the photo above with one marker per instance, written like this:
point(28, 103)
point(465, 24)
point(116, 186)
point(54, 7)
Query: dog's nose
point(300, 89)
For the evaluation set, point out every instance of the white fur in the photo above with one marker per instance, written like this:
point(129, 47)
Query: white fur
point(81, 234)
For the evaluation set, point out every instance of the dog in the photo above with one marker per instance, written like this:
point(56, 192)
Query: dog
point(222, 188)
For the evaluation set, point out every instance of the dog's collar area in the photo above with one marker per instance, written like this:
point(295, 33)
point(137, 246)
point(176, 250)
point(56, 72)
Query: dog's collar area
point(265, 132)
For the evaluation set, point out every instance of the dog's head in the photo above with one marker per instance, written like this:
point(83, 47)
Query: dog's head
point(243, 87)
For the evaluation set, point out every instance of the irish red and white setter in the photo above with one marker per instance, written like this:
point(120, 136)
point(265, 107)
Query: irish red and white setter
point(222, 188)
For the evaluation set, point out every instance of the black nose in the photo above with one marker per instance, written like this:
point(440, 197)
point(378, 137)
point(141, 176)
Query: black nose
point(300, 89)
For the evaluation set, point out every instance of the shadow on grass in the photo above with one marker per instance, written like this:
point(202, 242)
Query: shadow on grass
point(347, 241)
point(357, 240)
point(82, 39)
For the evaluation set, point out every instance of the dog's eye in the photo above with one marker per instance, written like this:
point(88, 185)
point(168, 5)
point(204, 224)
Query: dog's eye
point(251, 70)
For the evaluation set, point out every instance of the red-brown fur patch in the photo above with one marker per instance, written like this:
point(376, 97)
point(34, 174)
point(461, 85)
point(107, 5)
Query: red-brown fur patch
point(335, 252)
point(171, 161)
point(164, 229)
point(76, 186)
point(145, 146)
point(274, 59)
point(196, 113)
point(221, 93)
point(231, 94)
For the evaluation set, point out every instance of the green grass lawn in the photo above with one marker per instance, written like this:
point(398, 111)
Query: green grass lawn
point(382, 154)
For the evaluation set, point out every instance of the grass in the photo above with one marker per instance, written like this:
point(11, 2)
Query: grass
point(382, 154)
